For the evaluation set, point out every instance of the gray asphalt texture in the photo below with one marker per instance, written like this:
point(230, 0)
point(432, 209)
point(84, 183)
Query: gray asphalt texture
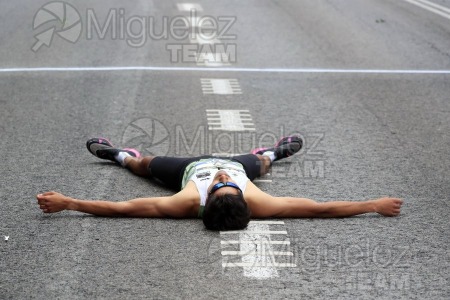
point(374, 134)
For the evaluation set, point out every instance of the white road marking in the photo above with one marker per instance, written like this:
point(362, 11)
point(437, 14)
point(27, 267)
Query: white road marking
point(229, 120)
point(263, 180)
point(223, 154)
point(254, 232)
point(242, 253)
point(189, 6)
point(241, 70)
point(267, 222)
point(234, 242)
point(256, 249)
point(202, 41)
point(211, 59)
point(259, 265)
point(259, 256)
point(220, 86)
point(433, 7)
point(194, 21)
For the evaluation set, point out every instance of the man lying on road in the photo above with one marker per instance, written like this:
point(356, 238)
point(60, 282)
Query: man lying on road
point(218, 190)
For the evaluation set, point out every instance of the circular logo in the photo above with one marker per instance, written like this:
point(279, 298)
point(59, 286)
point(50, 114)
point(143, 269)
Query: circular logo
point(148, 136)
point(64, 19)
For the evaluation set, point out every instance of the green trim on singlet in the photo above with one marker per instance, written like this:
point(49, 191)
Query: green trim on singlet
point(200, 211)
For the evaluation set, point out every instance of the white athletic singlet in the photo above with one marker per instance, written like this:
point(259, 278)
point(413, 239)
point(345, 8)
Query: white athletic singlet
point(202, 173)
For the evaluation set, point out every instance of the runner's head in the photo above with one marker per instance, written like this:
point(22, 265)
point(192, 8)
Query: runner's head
point(226, 212)
point(225, 207)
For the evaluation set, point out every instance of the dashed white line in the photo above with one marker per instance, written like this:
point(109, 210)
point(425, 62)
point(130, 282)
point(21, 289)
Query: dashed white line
point(259, 255)
point(212, 59)
point(263, 180)
point(235, 242)
point(255, 232)
point(189, 6)
point(220, 86)
point(229, 120)
point(267, 222)
point(199, 39)
point(241, 253)
point(259, 265)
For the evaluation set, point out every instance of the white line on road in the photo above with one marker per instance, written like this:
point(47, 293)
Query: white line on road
point(235, 242)
point(203, 41)
point(220, 86)
point(189, 6)
point(253, 232)
point(263, 180)
point(433, 7)
point(211, 59)
point(267, 222)
point(259, 265)
point(229, 120)
point(272, 253)
point(257, 251)
point(243, 70)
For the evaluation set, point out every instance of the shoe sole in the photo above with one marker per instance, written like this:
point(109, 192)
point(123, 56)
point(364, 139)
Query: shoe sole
point(96, 145)
point(294, 144)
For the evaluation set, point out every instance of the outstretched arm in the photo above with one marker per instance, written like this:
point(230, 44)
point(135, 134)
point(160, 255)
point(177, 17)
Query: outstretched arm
point(264, 205)
point(176, 206)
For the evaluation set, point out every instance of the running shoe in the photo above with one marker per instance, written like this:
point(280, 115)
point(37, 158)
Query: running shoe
point(285, 147)
point(103, 149)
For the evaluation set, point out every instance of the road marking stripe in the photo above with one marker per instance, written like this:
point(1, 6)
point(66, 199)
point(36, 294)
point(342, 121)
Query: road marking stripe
point(195, 69)
point(263, 180)
point(229, 120)
point(256, 253)
point(272, 253)
point(223, 154)
point(252, 265)
point(211, 59)
point(267, 222)
point(234, 242)
point(432, 4)
point(221, 87)
point(189, 6)
point(253, 232)
point(203, 41)
point(256, 250)
point(432, 7)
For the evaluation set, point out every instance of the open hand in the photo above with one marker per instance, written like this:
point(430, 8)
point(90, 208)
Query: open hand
point(51, 202)
point(389, 207)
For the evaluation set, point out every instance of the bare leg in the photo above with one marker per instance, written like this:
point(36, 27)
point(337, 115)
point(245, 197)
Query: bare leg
point(265, 164)
point(139, 166)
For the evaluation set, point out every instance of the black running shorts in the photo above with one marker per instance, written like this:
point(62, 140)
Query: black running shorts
point(170, 170)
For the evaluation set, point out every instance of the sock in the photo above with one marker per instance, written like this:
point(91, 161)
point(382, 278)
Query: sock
point(120, 157)
point(270, 154)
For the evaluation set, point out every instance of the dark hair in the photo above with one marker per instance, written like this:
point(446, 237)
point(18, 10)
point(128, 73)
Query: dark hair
point(226, 212)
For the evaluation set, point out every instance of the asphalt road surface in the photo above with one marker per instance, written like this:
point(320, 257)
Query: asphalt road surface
point(366, 83)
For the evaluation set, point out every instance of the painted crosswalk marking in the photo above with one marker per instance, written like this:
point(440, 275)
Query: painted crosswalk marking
point(260, 256)
point(189, 6)
point(212, 59)
point(234, 242)
point(220, 86)
point(229, 120)
point(201, 40)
